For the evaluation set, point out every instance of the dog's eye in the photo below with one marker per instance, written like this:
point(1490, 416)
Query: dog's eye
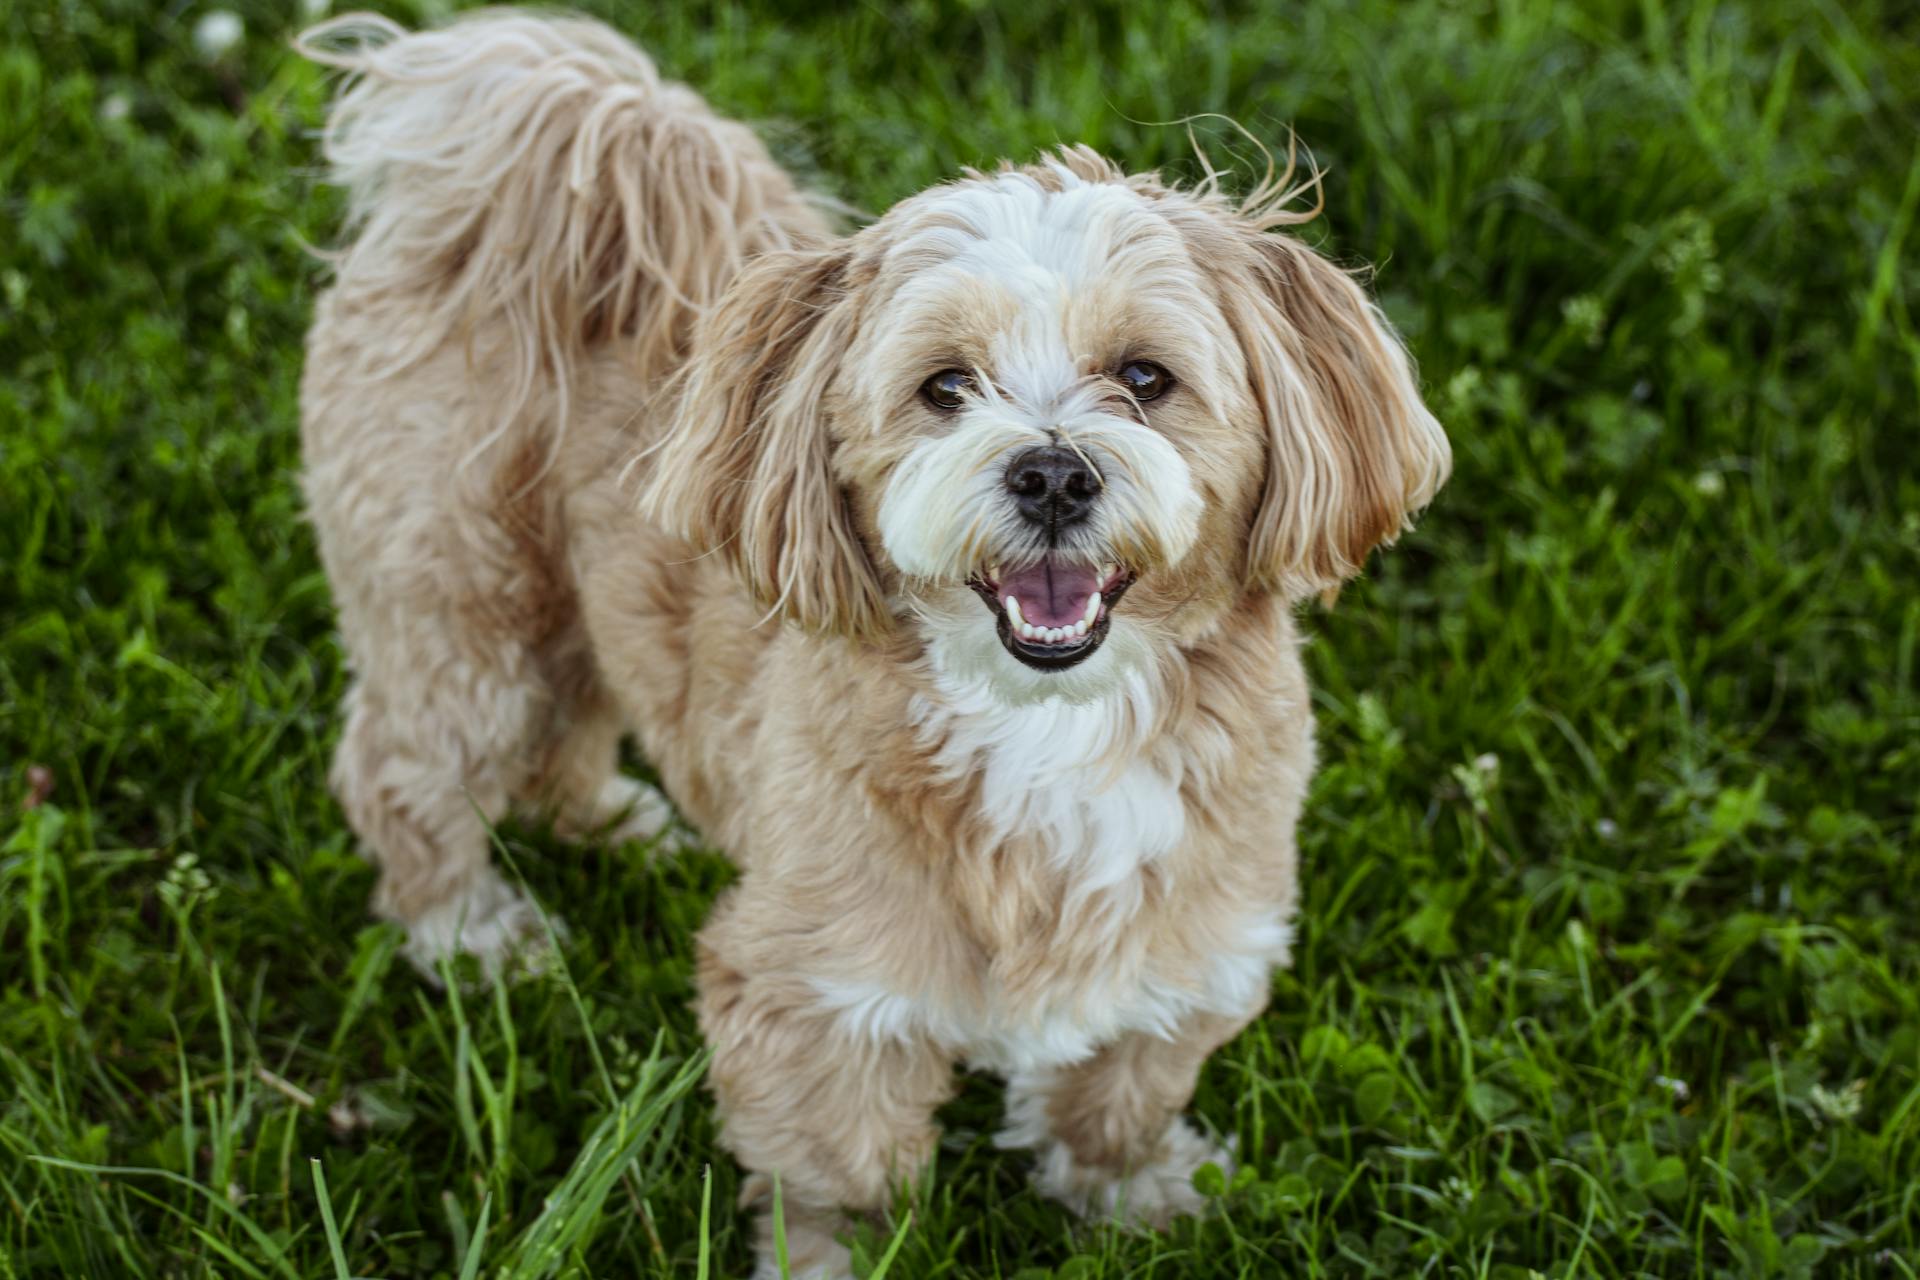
point(1146, 380)
point(948, 388)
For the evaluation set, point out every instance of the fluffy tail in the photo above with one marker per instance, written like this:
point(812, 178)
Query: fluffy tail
point(534, 176)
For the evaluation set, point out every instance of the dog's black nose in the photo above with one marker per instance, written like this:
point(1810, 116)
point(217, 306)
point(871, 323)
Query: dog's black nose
point(1052, 486)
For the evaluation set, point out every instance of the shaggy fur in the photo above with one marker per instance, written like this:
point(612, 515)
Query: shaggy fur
point(607, 431)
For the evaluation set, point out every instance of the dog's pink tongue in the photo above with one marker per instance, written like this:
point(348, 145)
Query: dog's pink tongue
point(1051, 594)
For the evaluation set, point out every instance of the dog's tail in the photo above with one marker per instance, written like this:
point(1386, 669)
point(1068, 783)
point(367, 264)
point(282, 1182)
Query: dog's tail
point(535, 176)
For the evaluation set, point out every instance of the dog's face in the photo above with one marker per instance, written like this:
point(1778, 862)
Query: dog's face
point(1055, 418)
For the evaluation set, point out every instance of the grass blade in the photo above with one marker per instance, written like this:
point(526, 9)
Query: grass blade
point(272, 1251)
point(881, 1267)
point(477, 1244)
point(327, 1224)
point(780, 1231)
point(705, 1260)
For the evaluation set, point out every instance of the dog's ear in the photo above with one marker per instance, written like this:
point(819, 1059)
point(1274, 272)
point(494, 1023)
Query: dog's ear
point(745, 471)
point(1352, 451)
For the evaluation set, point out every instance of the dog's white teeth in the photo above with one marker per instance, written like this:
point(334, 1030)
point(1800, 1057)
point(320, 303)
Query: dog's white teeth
point(1091, 614)
point(1050, 635)
point(1107, 572)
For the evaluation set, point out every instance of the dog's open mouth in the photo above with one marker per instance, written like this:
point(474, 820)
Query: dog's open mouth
point(1054, 613)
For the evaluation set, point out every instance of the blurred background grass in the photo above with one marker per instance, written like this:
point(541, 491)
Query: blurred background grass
point(1608, 962)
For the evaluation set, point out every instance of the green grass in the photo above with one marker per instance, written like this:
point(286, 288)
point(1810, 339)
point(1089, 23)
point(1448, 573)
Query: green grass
point(1610, 959)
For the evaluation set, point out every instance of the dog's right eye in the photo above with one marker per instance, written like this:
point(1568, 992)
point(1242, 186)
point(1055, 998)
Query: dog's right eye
point(947, 389)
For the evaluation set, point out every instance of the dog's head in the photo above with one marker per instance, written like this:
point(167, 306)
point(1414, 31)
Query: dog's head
point(1055, 417)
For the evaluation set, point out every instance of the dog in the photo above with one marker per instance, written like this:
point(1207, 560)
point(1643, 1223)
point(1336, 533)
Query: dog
point(946, 571)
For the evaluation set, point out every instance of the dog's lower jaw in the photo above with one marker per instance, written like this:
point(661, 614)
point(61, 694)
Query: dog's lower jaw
point(965, 649)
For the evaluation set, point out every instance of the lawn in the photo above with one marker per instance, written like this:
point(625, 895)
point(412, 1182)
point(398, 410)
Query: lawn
point(1610, 957)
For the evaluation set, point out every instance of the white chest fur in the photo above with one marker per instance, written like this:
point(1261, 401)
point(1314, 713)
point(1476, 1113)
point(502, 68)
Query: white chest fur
point(1080, 779)
point(1084, 784)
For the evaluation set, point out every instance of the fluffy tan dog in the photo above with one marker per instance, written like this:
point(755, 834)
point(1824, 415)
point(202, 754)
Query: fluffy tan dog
point(945, 571)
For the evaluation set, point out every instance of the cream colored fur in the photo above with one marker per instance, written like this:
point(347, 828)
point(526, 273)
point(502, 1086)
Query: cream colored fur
point(607, 432)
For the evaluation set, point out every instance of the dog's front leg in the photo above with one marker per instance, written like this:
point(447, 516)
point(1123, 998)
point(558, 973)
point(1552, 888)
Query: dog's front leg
point(1108, 1132)
point(840, 1117)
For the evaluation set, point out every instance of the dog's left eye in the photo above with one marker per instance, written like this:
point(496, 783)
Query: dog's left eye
point(1145, 379)
point(948, 388)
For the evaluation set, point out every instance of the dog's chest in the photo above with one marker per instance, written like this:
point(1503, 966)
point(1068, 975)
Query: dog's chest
point(1070, 888)
point(1073, 789)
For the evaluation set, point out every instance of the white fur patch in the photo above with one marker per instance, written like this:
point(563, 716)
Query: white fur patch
point(875, 1012)
point(1011, 227)
point(1238, 973)
point(1077, 775)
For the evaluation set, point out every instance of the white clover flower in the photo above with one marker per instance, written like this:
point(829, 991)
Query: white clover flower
point(345, 1117)
point(1840, 1104)
point(186, 884)
point(1586, 316)
point(1478, 780)
point(217, 32)
point(1680, 1090)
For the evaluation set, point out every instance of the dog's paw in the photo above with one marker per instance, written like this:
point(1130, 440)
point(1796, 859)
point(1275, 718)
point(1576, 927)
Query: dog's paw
point(769, 1269)
point(635, 810)
point(814, 1251)
point(624, 809)
point(1151, 1195)
point(492, 922)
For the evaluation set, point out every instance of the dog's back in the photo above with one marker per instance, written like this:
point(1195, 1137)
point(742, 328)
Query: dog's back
point(531, 209)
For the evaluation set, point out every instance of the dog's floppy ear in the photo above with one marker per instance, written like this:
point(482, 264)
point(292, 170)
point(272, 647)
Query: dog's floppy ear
point(745, 470)
point(1352, 452)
